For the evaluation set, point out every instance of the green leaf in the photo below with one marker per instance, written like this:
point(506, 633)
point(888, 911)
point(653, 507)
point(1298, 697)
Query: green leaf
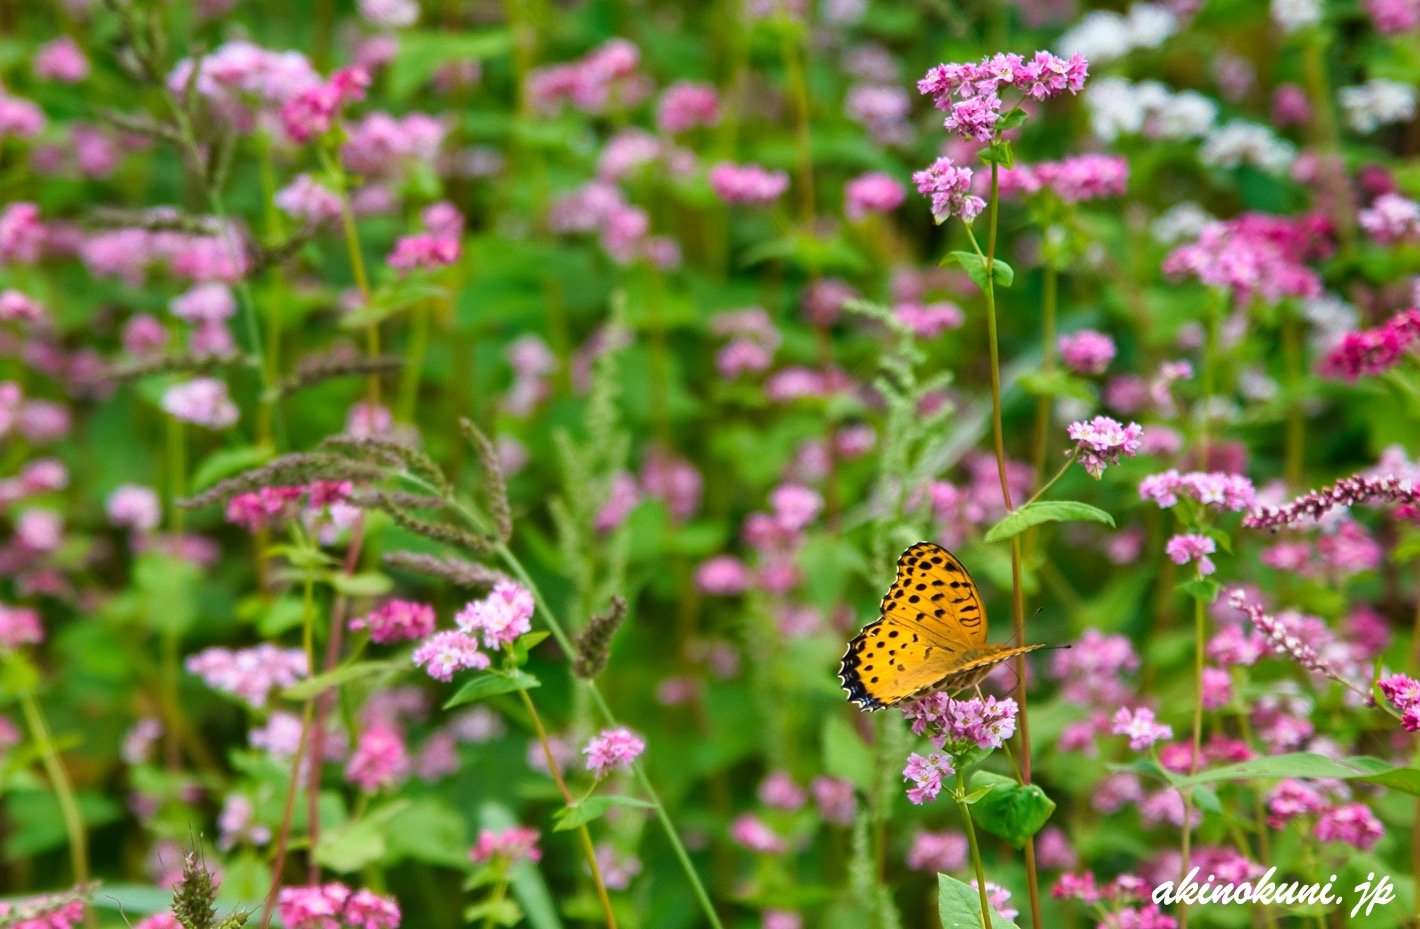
point(1046, 511)
point(502, 912)
point(999, 153)
point(570, 817)
point(1013, 811)
point(1309, 765)
point(351, 846)
point(225, 462)
point(1201, 588)
point(490, 684)
point(844, 754)
point(1012, 119)
point(972, 264)
point(1056, 383)
point(390, 300)
point(364, 584)
point(1206, 799)
point(423, 52)
point(319, 684)
point(167, 586)
point(959, 906)
point(976, 795)
point(527, 643)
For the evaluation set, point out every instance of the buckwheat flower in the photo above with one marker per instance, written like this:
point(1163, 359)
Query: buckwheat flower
point(750, 832)
point(21, 233)
point(267, 508)
point(723, 575)
point(424, 251)
point(501, 617)
point(613, 748)
point(1401, 690)
point(1086, 351)
point(380, 759)
point(312, 112)
point(836, 799)
point(1290, 106)
point(157, 921)
point(1377, 103)
point(795, 506)
point(307, 200)
point(1239, 143)
point(135, 507)
point(673, 480)
point(1296, 15)
point(685, 105)
point(1350, 824)
point(1217, 688)
point(39, 530)
point(949, 187)
point(332, 906)
point(1390, 218)
point(445, 652)
point(1182, 549)
point(1116, 791)
point(1290, 799)
point(61, 60)
point(16, 307)
point(874, 192)
point(203, 401)
point(1101, 441)
point(205, 303)
point(1393, 16)
point(998, 896)
point(509, 847)
point(250, 673)
point(234, 824)
point(19, 118)
point(927, 321)
point(389, 14)
point(926, 775)
point(57, 911)
point(384, 146)
point(782, 919)
point(396, 621)
point(19, 625)
point(624, 497)
point(753, 184)
point(937, 852)
point(779, 790)
point(1140, 726)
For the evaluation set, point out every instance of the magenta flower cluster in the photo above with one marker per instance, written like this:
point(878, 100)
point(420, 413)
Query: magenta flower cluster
point(335, 906)
point(970, 93)
point(1100, 442)
point(612, 749)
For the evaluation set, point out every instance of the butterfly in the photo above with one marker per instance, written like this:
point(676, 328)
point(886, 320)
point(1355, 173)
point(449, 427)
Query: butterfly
point(931, 635)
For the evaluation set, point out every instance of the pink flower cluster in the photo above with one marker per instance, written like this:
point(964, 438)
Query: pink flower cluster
point(1086, 352)
point(604, 77)
point(203, 401)
point(957, 725)
point(874, 192)
point(970, 93)
point(1184, 548)
point(949, 186)
point(134, 506)
point(1256, 256)
point(1101, 441)
point(501, 617)
point(750, 831)
point(1140, 726)
point(270, 507)
point(753, 341)
point(1073, 180)
point(43, 913)
point(1393, 16)
point(613, 748)
point(685, 105)
point(599, 206)
point(1370, 352)
point(929, 320)
point(512, 845)
point(381, 146)
point(19, 625)
point(334, 906)
point(311, 113)
point(1390, 218)
point(397, 621)
point(750, 183)
point(926, 774)
point(380, 759)
point(1216, 489)
point(249, 673)
point(1403, 692)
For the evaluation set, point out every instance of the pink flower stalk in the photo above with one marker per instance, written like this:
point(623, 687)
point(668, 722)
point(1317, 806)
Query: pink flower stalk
point(445, 652)
point(749, 831)
point(19, 625)
point(874, 192)
point(684, 105)
point(380, 759)
point(1370, 352)
point(1283, 640)
point(1350, 824)
point(501, 617)
point(203, 401)
point(1140, 726)
point(1182, 549)
point(267, 508)
point(1391, 17)
point(397, 621)
point(1086, 352)
point(1073, 180)
point(334, 906)
point(613, 748)
point(938, 852)
point(751, 184)
point(1346, 492)
point(424, 251)
point(1101, 441)
point(949, 187)
point(249, 674)
point(836, 799)
point(312, 112)
point(61, 60)
point(1216, 489)
point(926, 775)
point(512, 845)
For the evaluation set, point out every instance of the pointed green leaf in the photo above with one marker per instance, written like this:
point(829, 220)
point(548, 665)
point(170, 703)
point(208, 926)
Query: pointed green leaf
point(570, 817)
point(959, 907)
point(313, 686)
point(490, 684)
point(1013, 811)
point(1046, 511)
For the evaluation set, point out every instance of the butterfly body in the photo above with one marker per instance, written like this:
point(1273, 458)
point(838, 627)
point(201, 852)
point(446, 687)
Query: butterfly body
point(931, 636)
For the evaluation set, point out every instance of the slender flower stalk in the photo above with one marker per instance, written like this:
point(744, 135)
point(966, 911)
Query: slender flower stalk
point(63, 794)
point(959, 795)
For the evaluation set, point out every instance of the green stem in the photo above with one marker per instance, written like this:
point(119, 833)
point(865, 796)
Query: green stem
point(1296, 421)
point(500, 890)
point(799, 93)
point(362, 282)
point(414, 362)
point(1200, 631)
point(960, 796)
point(63, 793)
point(1047, 365)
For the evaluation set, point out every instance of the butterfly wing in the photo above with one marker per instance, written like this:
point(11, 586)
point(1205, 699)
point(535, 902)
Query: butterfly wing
point(931, 635)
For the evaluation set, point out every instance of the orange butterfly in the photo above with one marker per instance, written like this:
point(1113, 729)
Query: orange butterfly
point(931, 636)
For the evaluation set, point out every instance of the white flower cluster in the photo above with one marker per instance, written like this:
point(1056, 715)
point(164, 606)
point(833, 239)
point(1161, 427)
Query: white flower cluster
point(1182, 222)
point(1296, 15)
point(1119, 107)
point(1104, 35)
point(1238, 143)
point(1377, 103)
